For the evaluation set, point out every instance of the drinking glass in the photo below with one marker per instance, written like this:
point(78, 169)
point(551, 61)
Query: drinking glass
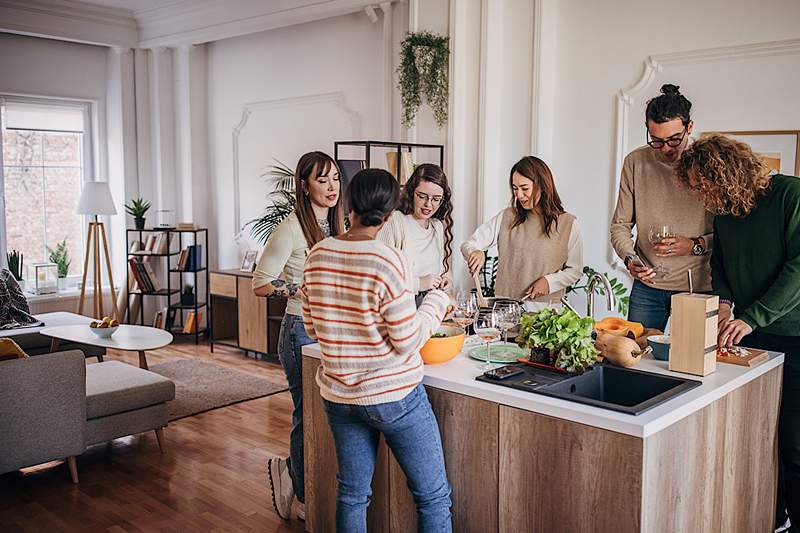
point(508, 314)
point(657, 233)
point(466, 309)
point(486, 328)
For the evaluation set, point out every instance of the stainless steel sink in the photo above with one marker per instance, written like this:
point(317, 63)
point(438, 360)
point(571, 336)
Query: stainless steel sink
point(619, 389)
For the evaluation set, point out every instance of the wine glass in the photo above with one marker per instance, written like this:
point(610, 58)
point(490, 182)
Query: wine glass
point(486, 328)
point(466, 309)
point(508, 314)
point(657, 233)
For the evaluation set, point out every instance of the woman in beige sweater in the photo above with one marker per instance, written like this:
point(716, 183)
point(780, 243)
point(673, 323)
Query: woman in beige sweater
point(318, 214)
point(422, 229)
point(539, 246)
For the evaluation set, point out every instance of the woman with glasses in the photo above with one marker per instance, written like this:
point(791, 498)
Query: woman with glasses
point(539, 246)
point(673, 231)
point(422, 229)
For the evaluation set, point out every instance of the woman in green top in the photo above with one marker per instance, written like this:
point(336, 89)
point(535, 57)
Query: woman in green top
point(318, 214)
point(755, 270)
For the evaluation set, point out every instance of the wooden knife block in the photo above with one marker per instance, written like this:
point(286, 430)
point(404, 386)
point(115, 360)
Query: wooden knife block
point(693, 347)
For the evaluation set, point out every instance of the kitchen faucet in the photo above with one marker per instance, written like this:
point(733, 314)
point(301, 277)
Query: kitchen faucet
point(593, 279)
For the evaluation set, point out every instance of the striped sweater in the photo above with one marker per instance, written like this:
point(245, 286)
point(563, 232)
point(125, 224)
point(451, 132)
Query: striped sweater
point(356, 304)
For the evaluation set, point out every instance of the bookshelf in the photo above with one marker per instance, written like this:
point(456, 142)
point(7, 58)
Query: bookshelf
point(159, 272)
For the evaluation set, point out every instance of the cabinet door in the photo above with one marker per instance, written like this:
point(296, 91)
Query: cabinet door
point(252, 318)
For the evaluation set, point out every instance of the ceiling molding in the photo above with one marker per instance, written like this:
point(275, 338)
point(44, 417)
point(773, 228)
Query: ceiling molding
point(69, 20)
point(209, 20)
point(654, 64)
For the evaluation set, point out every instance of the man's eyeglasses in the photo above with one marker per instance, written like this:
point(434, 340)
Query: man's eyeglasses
point(672, 142)
point(434, 200)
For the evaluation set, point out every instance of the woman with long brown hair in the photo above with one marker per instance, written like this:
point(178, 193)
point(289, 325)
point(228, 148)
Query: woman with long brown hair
point(539, 246)
point(422, 229)
point(318, 214)
point(755, 271)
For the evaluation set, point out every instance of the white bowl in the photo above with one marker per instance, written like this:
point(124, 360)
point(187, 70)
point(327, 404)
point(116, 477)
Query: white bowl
point(104, 333)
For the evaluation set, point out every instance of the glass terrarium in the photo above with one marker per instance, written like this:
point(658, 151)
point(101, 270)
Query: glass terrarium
point(42, 278)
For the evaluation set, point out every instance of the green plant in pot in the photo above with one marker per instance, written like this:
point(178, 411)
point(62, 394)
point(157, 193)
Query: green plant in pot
point(60, 256)
point(137, 209)
point(282, 198)
point(187, 295)
point(424, 70)
point(15, 263)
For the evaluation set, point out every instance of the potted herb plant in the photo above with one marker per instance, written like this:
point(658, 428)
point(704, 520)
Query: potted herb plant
point(60, 256)
point(559, 338)
point(187, 296)
point(15, 263)
point(137, 210)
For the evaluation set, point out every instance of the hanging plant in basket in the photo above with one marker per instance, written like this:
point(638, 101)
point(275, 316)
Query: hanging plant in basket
point(424, 59)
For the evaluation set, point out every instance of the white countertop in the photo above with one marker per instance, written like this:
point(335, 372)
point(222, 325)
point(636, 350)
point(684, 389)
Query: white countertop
point(458, 375)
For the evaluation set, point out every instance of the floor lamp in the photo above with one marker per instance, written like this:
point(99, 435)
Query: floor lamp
point(96, 200)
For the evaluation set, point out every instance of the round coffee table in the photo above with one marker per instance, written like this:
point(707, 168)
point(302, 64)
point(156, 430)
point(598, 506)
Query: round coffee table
point(127, 337)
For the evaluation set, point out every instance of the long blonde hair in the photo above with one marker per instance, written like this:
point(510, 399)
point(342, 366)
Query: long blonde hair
point(726, 173)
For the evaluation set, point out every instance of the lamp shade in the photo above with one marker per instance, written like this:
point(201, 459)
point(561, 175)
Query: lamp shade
point(96, 199)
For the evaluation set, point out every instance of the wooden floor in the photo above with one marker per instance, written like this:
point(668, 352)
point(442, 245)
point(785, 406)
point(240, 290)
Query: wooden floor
point(211, 478)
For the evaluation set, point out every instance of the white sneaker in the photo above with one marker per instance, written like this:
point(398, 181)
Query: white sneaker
point(281, 484)
point(301, 512)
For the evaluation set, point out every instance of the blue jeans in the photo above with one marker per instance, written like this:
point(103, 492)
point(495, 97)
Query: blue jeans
point(412, 434)
point(649, 306)
point(291, 340)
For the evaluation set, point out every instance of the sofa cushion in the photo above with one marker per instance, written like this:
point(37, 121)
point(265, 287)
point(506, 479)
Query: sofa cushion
point(10, 350)
point(113, 387)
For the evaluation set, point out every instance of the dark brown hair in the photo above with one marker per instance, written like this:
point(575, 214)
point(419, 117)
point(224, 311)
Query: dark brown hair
point(728, 174)
point(311, 166)
point(669, 105)
point(432, 174)
point(550, 206)
point(372, 195)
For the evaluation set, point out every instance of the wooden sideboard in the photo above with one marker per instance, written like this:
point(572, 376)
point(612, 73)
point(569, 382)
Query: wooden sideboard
point(239, 318)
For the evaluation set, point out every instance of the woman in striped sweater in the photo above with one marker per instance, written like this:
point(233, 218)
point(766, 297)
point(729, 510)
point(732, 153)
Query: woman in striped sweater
point(318, 214)
point(356, 302)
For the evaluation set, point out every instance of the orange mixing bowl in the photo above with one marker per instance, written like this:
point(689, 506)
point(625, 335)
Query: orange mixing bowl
point(442, 349)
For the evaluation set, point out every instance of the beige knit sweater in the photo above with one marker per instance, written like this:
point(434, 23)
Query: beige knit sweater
point(650, 193)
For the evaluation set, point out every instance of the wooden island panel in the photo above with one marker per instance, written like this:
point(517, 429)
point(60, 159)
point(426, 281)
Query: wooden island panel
point(557, 475)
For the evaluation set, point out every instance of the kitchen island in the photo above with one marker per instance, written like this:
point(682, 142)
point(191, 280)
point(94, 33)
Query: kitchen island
point(517, 461)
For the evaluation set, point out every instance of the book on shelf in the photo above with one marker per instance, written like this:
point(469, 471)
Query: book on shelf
point(191, 258)
point(151, 275)
point(193, 322)
point(186, 226)
point(158, 320)
point(170, 319)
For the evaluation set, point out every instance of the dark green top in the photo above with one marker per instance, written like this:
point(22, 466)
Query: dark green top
point(756, 260)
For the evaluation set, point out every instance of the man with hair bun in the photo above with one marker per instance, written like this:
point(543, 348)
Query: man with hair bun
point(650, 197)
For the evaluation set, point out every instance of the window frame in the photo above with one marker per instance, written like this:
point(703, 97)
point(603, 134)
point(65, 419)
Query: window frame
point(88, 168)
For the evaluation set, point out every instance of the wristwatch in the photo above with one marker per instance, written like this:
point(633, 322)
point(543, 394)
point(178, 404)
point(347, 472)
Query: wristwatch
point(698, 248)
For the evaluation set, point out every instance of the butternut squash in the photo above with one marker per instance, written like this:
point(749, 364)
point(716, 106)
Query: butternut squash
point(619, 326)
point(620, 350)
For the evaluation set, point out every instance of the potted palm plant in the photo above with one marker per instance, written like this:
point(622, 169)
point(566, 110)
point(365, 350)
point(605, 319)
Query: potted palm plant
point(60, 256)
point(282, 198)
point(137, 210)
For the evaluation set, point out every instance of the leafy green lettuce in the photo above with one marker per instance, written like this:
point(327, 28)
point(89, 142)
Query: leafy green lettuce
point(563, 332)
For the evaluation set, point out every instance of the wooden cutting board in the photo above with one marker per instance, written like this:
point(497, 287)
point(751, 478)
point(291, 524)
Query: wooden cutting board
point(754, 358)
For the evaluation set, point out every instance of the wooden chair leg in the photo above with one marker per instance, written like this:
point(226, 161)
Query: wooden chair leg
point(100, 358)
point(73, 469)
point(160, 438)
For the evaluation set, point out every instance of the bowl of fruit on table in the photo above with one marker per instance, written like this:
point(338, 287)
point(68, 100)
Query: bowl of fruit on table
point(443, 345)
point(104, 328)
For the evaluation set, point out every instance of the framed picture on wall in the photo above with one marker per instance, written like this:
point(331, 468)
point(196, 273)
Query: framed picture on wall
point(781, 149)
point(249, 261)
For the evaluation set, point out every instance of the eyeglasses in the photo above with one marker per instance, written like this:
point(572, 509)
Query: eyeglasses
point(424, 198)
point(672, 142)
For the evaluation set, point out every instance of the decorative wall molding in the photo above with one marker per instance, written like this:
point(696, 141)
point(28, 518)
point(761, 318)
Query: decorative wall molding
point(211, 20)
point(69, 20)
point(654, 64)
point(336, 98)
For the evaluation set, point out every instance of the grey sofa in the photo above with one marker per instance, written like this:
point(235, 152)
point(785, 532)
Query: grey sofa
point(34, 343)
point(53, 406)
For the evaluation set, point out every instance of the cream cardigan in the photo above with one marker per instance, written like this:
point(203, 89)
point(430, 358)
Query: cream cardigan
point(393, 233)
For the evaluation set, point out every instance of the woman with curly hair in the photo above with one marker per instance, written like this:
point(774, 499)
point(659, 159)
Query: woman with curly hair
point(422, 229)
point(755, 270)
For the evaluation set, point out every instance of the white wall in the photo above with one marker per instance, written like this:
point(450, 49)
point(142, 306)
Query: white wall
point(278, 76)
point(601, 48)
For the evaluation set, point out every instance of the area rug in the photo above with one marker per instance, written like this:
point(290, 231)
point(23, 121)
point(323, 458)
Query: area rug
point(201, 386)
